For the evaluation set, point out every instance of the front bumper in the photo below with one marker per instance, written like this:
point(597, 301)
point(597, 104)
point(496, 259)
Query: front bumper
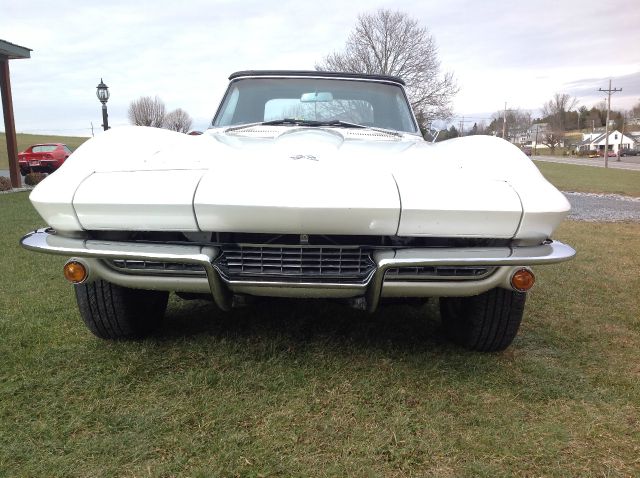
point(96, 252)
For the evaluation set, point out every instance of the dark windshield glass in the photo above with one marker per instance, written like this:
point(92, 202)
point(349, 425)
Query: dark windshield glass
point(368, 103)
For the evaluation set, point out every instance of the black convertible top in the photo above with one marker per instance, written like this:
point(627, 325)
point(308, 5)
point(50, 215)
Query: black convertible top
point(329, 74)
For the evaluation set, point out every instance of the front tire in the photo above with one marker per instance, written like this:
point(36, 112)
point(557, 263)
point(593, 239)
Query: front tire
point(487, 322)
point(114, 312)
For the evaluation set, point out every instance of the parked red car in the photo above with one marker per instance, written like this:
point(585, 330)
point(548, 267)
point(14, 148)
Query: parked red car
point(611, 154)
point(44, 158)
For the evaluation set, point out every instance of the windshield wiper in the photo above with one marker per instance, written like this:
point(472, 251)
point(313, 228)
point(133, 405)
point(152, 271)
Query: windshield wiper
point(301, 122)
point(314, 123)
point(340, 123)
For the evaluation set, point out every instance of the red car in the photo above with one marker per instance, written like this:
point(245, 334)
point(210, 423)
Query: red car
point(611, 154)
point(45, 158)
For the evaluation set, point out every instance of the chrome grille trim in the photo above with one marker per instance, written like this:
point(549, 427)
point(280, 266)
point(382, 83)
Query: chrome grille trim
point(505, 259)
point(421, 273)
point(128, 266)
point(295, 263)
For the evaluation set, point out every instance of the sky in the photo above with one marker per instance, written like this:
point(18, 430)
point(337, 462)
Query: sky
point(516, 52)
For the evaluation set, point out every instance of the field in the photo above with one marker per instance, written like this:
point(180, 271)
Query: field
point(317, 389)
point(26, 140)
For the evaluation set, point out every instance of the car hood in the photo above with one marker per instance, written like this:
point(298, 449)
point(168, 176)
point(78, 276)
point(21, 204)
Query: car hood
point(296, 180)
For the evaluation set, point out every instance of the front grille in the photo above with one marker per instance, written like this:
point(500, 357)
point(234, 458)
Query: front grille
point(153, 267)
point(295, 263)
point(417, 273)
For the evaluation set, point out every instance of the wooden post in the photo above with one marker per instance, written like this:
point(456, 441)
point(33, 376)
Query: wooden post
point(9, 123)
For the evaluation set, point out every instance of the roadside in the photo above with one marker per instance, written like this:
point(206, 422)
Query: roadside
point(627, 162)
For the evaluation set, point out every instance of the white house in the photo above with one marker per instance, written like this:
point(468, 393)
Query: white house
point(596, 141)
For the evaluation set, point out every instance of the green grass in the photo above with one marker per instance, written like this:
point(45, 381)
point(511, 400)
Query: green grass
point(317, 389)
point(26, 140)
point(570, 177)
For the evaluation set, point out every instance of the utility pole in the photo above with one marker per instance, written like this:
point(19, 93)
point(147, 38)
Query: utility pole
point(606, 126)
point(535, 146)
point(504, 123)
point(621, 136)
point(461, 123)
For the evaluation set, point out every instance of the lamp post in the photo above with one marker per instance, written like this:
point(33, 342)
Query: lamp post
point(102, 92)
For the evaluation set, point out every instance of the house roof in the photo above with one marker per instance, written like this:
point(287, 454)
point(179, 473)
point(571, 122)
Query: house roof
point(598, 138)
point(586, 141)
point(12, 51)
point(601, 137)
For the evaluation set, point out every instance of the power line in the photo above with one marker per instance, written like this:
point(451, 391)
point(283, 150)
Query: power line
point(461, 124)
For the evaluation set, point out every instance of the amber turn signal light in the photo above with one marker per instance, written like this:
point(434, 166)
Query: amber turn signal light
point(75, 272)
point(522, 280)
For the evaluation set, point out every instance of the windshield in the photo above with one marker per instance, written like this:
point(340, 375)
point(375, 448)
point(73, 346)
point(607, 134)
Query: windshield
point(43, 148)
point(367, 103)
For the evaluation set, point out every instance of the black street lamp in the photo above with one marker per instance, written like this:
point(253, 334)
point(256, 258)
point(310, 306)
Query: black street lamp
point(102, 92)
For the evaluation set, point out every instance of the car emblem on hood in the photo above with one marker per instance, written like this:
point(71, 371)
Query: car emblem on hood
point(310, 157)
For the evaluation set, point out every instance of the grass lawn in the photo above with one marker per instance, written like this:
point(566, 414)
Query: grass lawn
point(26, 140)
point(571, 177)
point(316, 389)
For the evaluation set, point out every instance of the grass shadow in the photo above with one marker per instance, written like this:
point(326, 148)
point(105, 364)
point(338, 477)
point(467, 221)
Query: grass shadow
point(300, 322)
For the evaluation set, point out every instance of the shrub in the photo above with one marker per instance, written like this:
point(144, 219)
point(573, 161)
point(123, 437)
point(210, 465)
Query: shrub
point(5, 184)
point(32, 179)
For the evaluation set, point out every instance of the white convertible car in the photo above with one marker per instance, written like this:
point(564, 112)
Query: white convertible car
point(307, 184)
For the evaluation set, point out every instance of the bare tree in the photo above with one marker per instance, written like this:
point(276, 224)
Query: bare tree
point(178, 120)
point(147, 111)
point(392, 43)
point(583, 111)
point(554, 112)
point(518, 123)
point(634, 112)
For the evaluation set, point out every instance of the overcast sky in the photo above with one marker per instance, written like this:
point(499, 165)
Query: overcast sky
point(518, 52)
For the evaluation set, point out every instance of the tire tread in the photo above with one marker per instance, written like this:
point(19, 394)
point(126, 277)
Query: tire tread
point(487, 322)
point(114, 312)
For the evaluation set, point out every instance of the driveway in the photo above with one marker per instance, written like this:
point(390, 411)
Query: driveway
point(603, 207)
point(630, 162)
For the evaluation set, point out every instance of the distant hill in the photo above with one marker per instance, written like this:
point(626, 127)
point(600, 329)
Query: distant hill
point(26, 140)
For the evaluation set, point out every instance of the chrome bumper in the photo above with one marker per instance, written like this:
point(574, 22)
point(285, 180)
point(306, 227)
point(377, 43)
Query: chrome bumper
point(505, 258)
